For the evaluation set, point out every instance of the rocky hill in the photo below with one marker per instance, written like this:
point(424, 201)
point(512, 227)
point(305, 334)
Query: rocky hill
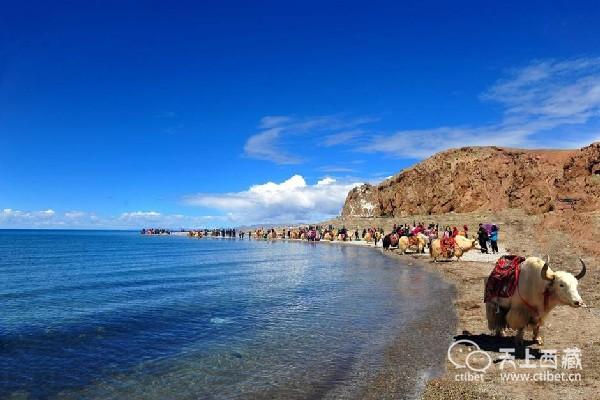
point(485, 179)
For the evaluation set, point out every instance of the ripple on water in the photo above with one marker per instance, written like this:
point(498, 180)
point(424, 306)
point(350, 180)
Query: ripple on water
point(119, 315)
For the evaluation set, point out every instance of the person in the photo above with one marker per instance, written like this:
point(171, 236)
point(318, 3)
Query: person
point(483, 238)
point(454, 232)
point(343, 232)
point(494, 239)
point(466, 231)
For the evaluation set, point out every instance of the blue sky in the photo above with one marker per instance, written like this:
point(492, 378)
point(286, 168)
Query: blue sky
point(129, 114)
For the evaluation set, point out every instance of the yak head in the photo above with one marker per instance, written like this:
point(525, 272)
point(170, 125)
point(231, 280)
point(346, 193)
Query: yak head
point(564, 284)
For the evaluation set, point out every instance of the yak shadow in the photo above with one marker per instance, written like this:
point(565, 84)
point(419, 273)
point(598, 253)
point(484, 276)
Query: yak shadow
point(493, 343)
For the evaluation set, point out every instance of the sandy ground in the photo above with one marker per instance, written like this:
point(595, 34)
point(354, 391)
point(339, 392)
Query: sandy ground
point(565, 236)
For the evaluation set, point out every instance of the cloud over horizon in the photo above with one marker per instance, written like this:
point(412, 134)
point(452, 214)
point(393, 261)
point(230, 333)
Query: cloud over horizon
point(290, 201)
point(49, 219)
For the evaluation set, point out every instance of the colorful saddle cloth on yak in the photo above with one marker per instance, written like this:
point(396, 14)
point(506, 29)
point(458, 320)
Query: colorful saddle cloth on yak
point(447, 246)
point(413, 240)
point(504, 278)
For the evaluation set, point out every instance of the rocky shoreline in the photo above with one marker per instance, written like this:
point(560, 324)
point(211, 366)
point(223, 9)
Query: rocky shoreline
point(565, 236)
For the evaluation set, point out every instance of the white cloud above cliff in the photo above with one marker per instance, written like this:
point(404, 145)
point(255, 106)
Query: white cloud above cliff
point(293, 200)
point(545, 103)
point(540, 105)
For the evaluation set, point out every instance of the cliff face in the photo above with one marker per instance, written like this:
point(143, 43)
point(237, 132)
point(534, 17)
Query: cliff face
point(485, 179)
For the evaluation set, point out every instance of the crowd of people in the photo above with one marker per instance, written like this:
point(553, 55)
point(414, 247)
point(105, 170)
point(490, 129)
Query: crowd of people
point(230, 233)
point(155, 231)
point(487, 234)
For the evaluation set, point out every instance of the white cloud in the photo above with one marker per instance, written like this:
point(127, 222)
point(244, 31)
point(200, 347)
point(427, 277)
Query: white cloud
point(342, 137)
point(137, 219)
point(543, 96)
point(75, 214)
point(264, 146)
point(40, 217)
point(292, 200)
point(128, 216)
point(276, 131)
point(11, 218)
point(337, 169)
point(551, 89)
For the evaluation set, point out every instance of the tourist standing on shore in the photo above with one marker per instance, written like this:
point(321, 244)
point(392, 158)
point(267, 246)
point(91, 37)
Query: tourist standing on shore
point(494, 239)
point(483, 238)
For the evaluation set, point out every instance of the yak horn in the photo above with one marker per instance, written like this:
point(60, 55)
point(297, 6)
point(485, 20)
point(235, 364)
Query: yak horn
point(545, 275)
point(583, 270)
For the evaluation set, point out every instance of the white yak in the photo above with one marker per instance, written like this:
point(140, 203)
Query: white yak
point(538, 291)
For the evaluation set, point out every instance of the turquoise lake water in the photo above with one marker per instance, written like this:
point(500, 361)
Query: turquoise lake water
point(99, 314)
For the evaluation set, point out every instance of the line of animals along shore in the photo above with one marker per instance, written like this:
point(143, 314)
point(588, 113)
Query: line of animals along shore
point(447, 243)
point(519, 293)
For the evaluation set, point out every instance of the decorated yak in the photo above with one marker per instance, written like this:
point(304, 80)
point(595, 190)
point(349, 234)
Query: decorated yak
point(390, 240)
point(328, 235)
point(451, 247)
point(416, 243)
point(524, 299)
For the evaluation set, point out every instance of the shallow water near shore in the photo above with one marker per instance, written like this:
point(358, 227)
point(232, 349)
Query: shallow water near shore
point(98, 314)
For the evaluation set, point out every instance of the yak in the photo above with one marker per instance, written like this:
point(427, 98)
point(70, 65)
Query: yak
point(538, 291)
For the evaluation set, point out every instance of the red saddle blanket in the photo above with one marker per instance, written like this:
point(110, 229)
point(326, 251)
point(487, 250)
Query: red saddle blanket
point(447, 246)
point(504, 278)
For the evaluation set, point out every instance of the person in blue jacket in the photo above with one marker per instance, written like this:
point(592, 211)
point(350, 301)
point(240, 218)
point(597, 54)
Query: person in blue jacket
point(494, 239)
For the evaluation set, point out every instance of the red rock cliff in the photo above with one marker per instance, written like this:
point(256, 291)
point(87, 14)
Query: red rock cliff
point(486, 178)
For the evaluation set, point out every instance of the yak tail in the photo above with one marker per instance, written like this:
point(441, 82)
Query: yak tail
point(496, 316)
